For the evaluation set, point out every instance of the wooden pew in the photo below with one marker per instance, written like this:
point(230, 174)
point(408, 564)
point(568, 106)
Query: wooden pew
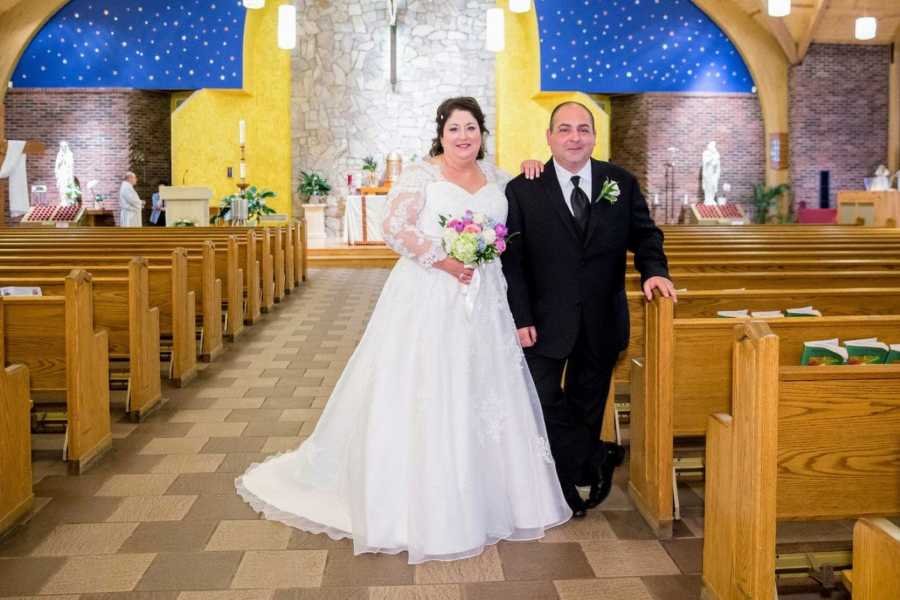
point(166, 290)
point(685, 376)
point(799, 443)
point(876, 556)
point(16, 496)
point(54, 337)
point(755, 280)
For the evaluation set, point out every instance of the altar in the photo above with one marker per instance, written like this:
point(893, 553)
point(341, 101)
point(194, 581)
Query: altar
point(872, 209)
point(363, 218)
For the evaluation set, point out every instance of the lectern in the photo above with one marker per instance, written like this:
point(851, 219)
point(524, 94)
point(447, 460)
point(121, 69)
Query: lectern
point(186, 204)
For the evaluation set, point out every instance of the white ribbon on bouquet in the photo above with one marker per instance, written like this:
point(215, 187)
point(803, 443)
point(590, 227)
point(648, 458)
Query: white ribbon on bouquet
point(470, 292)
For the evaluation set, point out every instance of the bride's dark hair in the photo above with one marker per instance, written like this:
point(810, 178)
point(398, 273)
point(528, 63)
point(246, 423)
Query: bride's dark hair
point(465, 103)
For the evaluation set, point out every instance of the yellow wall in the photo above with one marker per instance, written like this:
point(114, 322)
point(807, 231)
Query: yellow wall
point(523, 111)
point(205, 127)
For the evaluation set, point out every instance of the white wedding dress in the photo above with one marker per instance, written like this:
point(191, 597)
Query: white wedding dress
point(433, 441)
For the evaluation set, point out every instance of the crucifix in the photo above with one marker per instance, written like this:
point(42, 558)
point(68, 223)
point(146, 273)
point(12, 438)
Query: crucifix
point(32, 148)
point(393, 5)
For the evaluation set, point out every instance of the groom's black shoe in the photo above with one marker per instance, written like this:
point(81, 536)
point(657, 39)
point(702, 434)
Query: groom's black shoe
point(573, 499)
point(610, 456)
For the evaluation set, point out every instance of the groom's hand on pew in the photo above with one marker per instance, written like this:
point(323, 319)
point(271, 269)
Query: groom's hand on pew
point(527, 336)
point(665, 287)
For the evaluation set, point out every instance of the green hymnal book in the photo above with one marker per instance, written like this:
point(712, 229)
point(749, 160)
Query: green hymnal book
point(866, 352)
point(766, 314)
point(893, 356)
point(805, 311)
point(823, 352)
point(734, 314)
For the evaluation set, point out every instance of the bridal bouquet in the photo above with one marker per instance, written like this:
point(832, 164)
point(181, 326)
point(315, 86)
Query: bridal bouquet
point(473, 238)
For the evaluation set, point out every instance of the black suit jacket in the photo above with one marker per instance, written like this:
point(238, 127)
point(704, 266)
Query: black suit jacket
point(556, 276)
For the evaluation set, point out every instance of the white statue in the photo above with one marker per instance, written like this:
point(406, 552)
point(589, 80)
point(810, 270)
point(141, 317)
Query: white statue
point(882, 180)
point(65, 172)
point(711, 171)
point(897, 176)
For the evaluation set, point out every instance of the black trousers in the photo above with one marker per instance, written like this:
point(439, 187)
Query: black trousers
point(573, 409)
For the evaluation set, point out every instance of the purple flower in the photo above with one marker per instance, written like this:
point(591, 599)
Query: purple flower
point(458, 225)
point(501, 245)
point(501, 230)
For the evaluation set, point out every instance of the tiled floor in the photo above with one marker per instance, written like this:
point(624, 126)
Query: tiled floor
point(158, 518)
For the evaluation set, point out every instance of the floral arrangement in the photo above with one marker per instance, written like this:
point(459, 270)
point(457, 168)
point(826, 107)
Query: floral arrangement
point(473, 238)
point(256, 204)
point(609, 191)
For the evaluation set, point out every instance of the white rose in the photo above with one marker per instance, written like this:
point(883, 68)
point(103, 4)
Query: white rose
point(478, 218)
point(490, 236)
point(449, 236)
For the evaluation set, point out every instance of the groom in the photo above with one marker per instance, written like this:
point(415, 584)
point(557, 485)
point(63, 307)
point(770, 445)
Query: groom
point(566, 276)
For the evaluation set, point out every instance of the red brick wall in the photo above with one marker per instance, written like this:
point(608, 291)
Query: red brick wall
point(838, 118)
point(110, 131)
point(644, 127)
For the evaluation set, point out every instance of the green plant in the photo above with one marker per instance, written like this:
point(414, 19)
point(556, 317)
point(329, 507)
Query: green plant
point(369, 164)
point(72, 193)
point(184, 223)
point(764, 198)
point(256, 204)
point(313, 184)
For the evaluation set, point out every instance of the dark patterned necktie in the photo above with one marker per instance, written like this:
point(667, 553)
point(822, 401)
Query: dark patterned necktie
point(581, 206)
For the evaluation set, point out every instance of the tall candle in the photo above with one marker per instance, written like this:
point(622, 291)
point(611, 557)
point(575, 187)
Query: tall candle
point(243, 170)
point(243, 132)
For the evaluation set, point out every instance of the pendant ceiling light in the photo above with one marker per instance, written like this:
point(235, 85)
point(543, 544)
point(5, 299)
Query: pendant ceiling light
point(519, 6)
point(287, 27)
point(495, 34)
point(866, 28)
point(254, 3)
point(779, 8)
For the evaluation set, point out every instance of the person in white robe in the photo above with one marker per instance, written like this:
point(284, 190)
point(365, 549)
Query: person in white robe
point(130, 204)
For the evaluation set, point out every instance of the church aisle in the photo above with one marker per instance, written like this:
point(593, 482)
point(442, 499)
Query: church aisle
point(159, 514)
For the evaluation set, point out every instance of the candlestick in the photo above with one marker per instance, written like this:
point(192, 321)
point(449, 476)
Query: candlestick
point(243, 170)
point(243, 132)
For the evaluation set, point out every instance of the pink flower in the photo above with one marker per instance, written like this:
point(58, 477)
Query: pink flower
point(472, 228)
point(501, 230)
point(457, 225)
point(501, 245)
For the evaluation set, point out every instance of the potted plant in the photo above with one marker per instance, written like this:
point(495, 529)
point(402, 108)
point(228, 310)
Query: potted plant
point(256, 204)
point(313, 186)
point(369, 168)
point(764, 198)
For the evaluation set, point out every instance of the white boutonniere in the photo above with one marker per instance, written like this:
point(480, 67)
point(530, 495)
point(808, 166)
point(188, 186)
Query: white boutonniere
point(609, 191)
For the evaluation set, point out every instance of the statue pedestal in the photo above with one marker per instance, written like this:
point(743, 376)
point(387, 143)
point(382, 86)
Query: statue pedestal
point(315, 221)
point(186, 204)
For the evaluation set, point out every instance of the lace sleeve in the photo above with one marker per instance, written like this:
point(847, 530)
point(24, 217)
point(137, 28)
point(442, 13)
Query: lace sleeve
point(495, 174)
point(405, 201)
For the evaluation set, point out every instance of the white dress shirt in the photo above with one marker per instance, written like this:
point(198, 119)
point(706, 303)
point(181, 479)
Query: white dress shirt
point(565, 182)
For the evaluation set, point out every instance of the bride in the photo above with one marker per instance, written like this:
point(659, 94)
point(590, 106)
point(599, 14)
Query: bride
point(433, 441)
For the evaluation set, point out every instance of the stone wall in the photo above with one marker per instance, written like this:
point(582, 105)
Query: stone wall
point(839, 115)
point(645, 126)
point(343, 104)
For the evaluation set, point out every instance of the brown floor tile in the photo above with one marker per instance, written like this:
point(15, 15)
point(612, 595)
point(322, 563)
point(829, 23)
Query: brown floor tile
point(280, 569)
point(133, 442)
point(218, 507)
point(170, 536)
point(687, 554)
point(208, 430)
point(628, 558)
point(182, 445)
point(238, 463)
point(85, 539)
point(230, 444)
point(630, 588)
point(536, 561)
point(25, 576)
point(188, 571)
point(367, 569)
point(628, 525)
point(207, 415)
point(80, 510)
point(67, 486)
point(288, 402)
point(203, 483)
point(250, 535)
point(301, 540)
point(272, 390)
point(126, 463)
point(259, 415)
point(484, 567)
point(238, 403)
point(519, 590)
point(677, 587)
point(416, 592)
point(228, 595)
point(165, 429)
point(130, 596)
point(813, 531)
point(268, 429)
point(86, 574)
point(23, 539)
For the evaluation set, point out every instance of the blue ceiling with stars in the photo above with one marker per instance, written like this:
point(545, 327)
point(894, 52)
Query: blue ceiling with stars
point(144, 44)
point(635, 46)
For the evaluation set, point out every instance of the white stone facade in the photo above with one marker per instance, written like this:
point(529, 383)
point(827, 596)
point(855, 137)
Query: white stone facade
point(343, 107)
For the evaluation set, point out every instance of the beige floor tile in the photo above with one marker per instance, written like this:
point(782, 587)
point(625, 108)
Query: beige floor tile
point(248, 382)
point(416, 592)
point(602, 589)
point(593, 527)
point(280, 444)
point(87, 574)
point(228, 595)
point(184, 445)
point(208, 430)
point(232, 391)
point(189, 463)
point(628, 558)
point(207, 415)
point(153, 508)
point(122, 430)
point(85, 539)
point(301, 414)
point(136, 485)
point(280, 569)
point(250, 535)
point(485, 567)
point(238, 403)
